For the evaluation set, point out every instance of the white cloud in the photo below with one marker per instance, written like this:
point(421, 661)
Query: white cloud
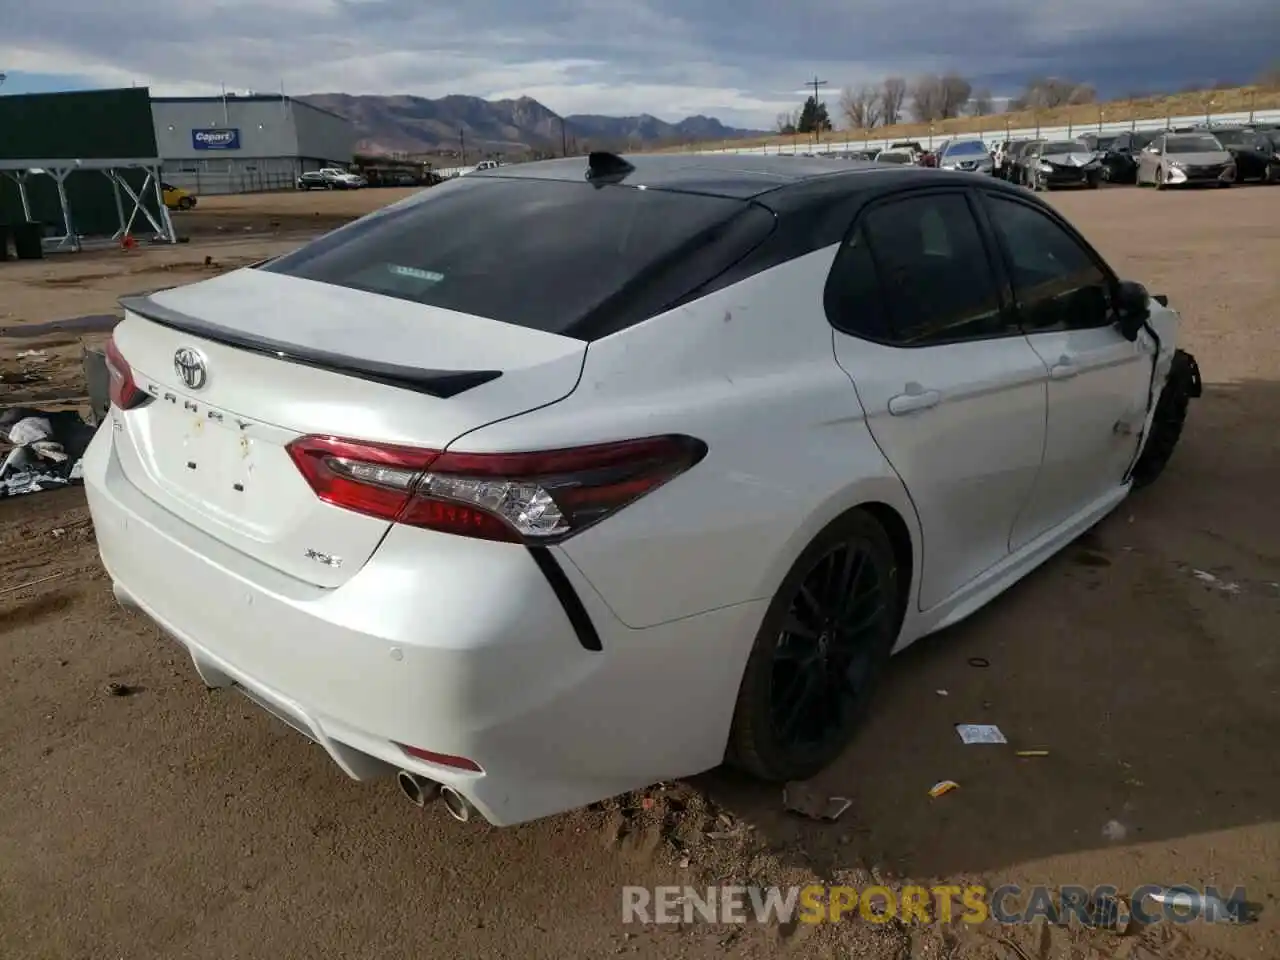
point(740, 60)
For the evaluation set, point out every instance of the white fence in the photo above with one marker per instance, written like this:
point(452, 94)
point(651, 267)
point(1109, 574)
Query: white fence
point(802, 143)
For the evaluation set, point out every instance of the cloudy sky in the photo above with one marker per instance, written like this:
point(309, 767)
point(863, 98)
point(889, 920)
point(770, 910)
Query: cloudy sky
point(740, 60)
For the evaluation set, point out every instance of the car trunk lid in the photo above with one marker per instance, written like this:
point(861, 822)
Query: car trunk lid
point(280, 357)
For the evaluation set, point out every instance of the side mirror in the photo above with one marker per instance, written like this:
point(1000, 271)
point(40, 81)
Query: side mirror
point(1132, 309)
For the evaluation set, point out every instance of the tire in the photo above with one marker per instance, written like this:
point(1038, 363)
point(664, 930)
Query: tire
point(1170, 417)
point(1271, 174)
point(786, 660)
point(186, 203)
point(1159, 180)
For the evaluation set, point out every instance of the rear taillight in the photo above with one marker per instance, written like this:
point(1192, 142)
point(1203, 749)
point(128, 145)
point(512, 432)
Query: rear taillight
point(123, 391)
point(541, 497)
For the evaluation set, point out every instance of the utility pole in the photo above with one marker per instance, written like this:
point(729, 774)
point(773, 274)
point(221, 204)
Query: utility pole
point(815, 83)
point(462, 143)
point(564, 140)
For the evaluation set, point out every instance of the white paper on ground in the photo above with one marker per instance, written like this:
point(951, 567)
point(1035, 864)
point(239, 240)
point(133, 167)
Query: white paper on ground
point(980, 733)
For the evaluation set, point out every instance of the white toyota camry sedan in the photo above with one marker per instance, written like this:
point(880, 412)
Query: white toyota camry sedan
point(567, 477)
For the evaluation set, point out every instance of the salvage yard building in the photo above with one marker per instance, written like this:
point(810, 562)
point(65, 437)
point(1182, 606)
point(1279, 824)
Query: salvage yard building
point(246, 143)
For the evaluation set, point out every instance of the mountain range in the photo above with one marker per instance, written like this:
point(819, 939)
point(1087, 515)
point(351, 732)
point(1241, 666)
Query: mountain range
point(404, 124)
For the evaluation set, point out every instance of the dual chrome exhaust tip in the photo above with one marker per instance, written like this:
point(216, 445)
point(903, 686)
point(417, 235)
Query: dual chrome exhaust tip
point(420, 790)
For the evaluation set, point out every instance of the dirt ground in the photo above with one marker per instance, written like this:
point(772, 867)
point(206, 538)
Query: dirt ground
point(155, 819)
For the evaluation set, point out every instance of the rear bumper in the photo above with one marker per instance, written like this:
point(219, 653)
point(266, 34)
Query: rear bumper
point(462, 649)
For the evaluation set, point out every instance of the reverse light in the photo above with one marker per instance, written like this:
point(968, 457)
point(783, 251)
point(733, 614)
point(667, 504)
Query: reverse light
point(124, 392)
point(534, 498)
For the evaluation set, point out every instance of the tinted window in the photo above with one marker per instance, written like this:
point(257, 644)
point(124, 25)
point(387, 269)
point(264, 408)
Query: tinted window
point(967, 148)
point(537, 253)
point(1238, 138)
point(853, 298)
point(1056, 283)
point(934, 271)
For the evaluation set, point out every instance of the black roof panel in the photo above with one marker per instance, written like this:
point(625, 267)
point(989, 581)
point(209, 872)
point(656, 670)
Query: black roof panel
point(740, 176)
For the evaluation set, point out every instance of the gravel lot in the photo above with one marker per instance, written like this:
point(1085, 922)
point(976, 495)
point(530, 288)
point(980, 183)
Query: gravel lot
point(171, 822)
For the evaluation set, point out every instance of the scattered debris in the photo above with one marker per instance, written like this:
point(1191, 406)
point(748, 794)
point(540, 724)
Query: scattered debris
point(1225, 586)
point(941, 693)
point(31, 583)
point(980, 662)
point(1206, 906)
point(34, 356)
point(1033, 753)
point(115, 689)
point(1114, 830)
point(971, 733)
point(943, 786)
point(798, 798)
point(47, 447)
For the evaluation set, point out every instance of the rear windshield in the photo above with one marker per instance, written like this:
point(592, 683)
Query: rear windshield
point(537, 253)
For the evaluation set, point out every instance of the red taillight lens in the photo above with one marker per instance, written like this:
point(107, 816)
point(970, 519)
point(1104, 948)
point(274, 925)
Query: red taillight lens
point(124, 392)
point(541, 497)
point(443, 759)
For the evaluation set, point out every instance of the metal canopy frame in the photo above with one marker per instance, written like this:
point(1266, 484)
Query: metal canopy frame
point(20, 171)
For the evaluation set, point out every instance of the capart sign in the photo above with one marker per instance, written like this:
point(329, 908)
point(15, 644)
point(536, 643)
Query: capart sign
point(215, 139)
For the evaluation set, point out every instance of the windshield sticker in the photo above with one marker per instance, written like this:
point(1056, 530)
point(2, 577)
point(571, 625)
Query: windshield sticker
point(414, 273)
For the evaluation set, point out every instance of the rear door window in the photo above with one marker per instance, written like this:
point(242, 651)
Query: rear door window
point(538, 253)
point(933, 266)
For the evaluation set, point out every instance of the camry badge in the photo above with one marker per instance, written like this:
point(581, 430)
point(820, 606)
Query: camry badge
point(189, 365)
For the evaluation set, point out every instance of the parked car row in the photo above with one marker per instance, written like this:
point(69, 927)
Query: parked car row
point(1161, 158)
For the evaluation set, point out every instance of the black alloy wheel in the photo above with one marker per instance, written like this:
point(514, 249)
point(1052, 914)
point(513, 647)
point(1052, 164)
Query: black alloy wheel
point(818, 654)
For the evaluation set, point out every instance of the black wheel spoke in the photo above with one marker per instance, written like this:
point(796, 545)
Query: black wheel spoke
point(808, 683)
point(828, 644)
point(795, 627)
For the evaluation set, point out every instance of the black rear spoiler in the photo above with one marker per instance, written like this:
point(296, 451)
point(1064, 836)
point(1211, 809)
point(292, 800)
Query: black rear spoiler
point(435, 383)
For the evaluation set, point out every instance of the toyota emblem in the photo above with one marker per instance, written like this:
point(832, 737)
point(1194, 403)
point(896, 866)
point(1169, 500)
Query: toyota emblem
point(189, 365)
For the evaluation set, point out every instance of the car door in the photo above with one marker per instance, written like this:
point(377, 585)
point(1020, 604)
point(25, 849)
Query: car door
point(1098, 380)
point(953, 394)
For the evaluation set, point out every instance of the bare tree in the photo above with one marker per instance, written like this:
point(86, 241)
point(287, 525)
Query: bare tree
point(1045, 93)
point(935, 97)
point(926, 98)
point(956, 91)
point(982, 104)
point(786, 121)
point(861, 106)
point(1083, 93)
point(892, 94)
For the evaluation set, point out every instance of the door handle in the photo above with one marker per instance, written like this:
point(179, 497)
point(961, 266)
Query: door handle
point(912, 401)
point(1064, 369)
